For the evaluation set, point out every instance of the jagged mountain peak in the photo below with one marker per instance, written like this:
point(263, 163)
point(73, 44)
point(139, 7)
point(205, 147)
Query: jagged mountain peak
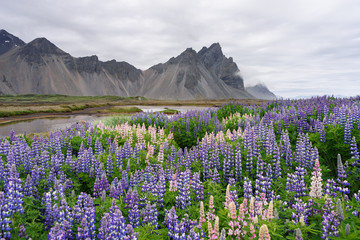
point(9, 41)
point(186, 57)
point(210, 56)
point(38, 48)
point(44, 46)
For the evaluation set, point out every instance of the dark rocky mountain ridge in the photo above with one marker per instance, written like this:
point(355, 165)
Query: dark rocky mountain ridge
point(40, 67)
point(9, 41)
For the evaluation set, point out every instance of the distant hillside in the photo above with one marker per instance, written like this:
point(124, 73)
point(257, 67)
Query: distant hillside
point(40, 67)
point(260, 91)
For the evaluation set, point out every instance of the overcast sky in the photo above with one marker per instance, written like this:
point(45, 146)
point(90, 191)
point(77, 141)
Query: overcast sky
point(295, 47)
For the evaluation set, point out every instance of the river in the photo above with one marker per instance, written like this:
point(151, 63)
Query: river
point(47, 124)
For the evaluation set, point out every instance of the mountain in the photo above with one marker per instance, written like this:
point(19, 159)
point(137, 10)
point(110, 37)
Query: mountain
point(260, 91)
point(40, 67)
point(8, 41)
point(192, 75)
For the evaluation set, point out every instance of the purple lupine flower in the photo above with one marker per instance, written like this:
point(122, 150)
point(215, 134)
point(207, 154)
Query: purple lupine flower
point(131, 199)
point(125, 180)
point(22, 232)
point(343, 184)
point(83, 231)
point(150, 215)
point(2, 170)
point(57, 233)
point(119, 158)
point(14, 191)
point(355, 156)
point(97, 188)
point(249, 161)
point(117, 228)
point(48, 212)
point(347, 132)
point(104, 227)
point(98, 147)
point(238, 166)
point(302, 210)
point(44, 159)
point(226, 168)
point(248, 192)
point(295, 182)
point(5, 218)
point(84, 201)
point(27, 160)
point(183, 199)
point(330, 221)
point(115, 189)
point(130, 234)
point(197, 186)
point(160, 190)
point(276, 163)
point(89, 140)
point(90, 216)
point(28, 188)
point(216, 176)
point(180, 230)
point(109, 166)
point(104, 183)
point(330, 188)
point(134, 215)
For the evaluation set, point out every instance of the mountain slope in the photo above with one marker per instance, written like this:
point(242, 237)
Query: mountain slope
point(191, 75)
point(40, 67)
point(260, 91)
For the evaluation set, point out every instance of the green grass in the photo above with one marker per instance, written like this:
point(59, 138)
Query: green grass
point(116, 120)
point(15, 113)
point(170, 111)
point(123, 110)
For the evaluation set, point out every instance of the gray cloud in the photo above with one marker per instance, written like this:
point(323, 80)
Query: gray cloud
point(300, 47)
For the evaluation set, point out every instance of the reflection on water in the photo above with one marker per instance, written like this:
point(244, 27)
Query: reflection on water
point(45, 124)
point(53, 124)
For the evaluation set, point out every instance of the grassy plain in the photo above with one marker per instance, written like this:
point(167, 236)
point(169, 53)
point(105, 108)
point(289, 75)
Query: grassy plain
point(31, 104)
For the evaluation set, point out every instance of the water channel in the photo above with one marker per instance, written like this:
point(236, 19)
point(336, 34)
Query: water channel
point(39, 125)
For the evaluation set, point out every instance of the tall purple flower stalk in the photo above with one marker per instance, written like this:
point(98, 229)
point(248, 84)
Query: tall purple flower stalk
point(343, 184)
point(330, 221)
point(14, 191)
point(183, 199)
point(5, 218)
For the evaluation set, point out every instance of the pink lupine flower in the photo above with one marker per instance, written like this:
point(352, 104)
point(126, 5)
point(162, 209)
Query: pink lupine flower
point(316, 181)
point(270, 213)
point(252, 232)
point(202, 213)
point(216, 228)
point(241, 212)
point(252, 208)
point(228, 198)
point(210, 216)
point(264, 233)
point(173, 184)
point(160, 157)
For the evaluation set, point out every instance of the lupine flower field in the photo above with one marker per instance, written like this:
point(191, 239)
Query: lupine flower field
point(289, 169)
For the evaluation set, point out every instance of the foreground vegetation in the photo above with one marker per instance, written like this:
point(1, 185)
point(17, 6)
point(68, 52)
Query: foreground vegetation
point(284, 169)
